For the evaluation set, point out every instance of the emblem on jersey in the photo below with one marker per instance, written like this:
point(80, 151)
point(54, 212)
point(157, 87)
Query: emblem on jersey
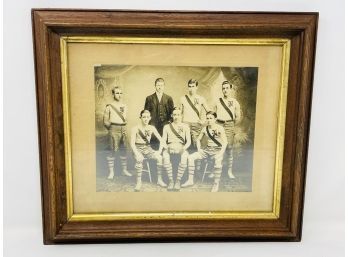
point(215, 133)
point(122, 109)
point(196, 101)
point(230, 103)
point(147, 133)
point(180, 129)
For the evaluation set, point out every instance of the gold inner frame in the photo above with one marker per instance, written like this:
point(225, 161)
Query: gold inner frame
point(274, 214)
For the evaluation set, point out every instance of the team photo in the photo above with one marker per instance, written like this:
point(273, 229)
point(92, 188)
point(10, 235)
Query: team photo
point(174, 129)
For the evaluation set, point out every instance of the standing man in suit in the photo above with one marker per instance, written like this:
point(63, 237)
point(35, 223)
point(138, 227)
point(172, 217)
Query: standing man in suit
point(160, 106)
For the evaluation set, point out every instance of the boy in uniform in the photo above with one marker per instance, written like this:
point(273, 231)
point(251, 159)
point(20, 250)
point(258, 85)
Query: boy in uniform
point(192, 106)
point(140, 144)
point(228, 113)
point(215, 149)
point(114, 120)
point(178, 139)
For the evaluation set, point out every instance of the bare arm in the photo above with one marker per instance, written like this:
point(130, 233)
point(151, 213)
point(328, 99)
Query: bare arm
point(132, 141)
point(199, 138)
point(215, 107)
point(106, 117)
point(188, 137)
point(223, 141)
point(125, 112)
point(158, 136)
point(164, 139)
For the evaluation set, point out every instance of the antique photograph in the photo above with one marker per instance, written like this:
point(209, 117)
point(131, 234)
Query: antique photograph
point(174, 128)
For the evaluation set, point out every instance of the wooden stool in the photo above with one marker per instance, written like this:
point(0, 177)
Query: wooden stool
point(205, 163)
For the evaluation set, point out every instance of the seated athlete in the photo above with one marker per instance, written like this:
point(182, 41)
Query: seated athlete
point(178, 139)
point(140, 144)
point(215, 149)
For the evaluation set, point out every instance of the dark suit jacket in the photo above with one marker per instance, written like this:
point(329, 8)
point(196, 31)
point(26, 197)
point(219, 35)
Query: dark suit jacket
point(160, 111)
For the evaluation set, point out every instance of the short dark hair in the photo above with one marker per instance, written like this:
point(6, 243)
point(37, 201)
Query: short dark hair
point(158, 80)
point(192, 81)
point(143, 111)
point(211, 113)
point(176, 109)
point(227, 82)
point(114, 88)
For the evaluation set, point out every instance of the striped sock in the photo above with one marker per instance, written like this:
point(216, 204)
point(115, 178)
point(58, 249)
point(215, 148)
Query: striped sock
point(217, 174)
point(229, 159)
point(191, 169)
point(181, 171)
point(168, 169)
point(139, 169)
point(123, 160)
point(111, 162)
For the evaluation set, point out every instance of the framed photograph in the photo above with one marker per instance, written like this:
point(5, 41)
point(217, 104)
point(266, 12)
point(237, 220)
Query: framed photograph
point(163, 125)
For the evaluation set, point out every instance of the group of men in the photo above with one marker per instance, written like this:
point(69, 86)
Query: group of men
point(165, 130)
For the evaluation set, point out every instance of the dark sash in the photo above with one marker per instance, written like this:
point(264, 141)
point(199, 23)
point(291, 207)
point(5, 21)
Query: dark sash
point(141, 134)
point(213, 138)
point(226, 108)
point(118, 112)
point(176, 133)
point(192, 105)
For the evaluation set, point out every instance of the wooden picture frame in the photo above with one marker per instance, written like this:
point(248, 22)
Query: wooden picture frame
point(53, 29)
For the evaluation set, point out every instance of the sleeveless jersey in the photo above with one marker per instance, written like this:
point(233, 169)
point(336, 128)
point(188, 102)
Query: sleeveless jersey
point(180, 129)
point(112, 115)
point(232, 104)
point(189, 115)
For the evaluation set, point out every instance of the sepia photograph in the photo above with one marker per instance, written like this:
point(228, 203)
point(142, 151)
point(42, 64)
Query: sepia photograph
point(174, 128)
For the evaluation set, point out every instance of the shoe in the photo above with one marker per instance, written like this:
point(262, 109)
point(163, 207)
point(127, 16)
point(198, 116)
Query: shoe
point(137, 187)
point(230, 174)
point(111, 175)
point(188, 183)
point(177, 186)
point(127, 173)
point(171, 186)
point(215, 188)
point(161, 183)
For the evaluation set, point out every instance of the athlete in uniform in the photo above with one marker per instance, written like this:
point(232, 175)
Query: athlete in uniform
point(215, 149)
point(140, 144)
point(193, 108)
point(178, 139)
point(114, 120)
point(228, 115)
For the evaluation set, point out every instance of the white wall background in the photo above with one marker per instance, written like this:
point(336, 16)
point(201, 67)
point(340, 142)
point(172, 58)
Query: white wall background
point(323, 229)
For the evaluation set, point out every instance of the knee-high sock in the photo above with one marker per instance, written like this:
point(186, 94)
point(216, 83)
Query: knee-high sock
point(139, 170)
point(123, 160)
point(159, 169)
point(111, 162)
point(229, 153)
point(191, 168)
point(181, 170)
point(217, 174)
point(167, 167)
